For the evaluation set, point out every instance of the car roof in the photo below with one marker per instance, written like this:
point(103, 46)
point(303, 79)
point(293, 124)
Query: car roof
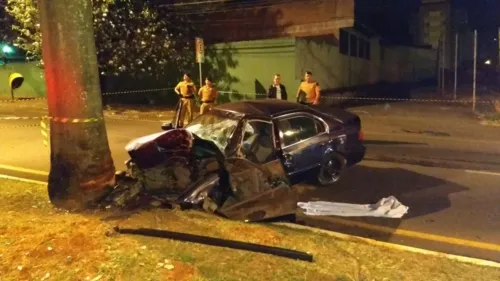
point(265, 108)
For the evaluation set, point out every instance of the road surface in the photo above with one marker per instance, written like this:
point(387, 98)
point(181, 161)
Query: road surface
point(448, 181)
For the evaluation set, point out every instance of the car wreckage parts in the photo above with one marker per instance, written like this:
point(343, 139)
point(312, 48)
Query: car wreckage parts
point(177, 167)
point(218, 242)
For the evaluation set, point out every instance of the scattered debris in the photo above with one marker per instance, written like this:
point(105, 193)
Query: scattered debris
point(46, 276)
point(216, 242)
point(97, 278)
point(427, 132)
point(388, 207)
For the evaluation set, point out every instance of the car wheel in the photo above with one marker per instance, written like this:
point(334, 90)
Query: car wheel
point(331, 169)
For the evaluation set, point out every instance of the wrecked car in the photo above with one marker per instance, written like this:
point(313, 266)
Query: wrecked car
point(240, 159)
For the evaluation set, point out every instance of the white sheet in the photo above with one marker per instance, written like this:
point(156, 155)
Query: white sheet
point(388, 207)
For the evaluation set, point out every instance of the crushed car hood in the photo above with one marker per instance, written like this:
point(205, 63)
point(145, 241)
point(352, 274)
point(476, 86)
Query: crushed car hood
point(178, 167)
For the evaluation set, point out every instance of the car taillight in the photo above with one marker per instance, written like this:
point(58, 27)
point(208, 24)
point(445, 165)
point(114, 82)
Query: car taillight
point(361, 136)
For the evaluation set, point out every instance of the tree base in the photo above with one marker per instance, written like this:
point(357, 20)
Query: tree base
point(82, 170)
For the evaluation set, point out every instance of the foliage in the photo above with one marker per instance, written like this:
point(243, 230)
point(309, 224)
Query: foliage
point(132, 36)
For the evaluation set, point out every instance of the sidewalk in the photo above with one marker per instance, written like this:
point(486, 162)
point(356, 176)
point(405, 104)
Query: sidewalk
point(425, 119)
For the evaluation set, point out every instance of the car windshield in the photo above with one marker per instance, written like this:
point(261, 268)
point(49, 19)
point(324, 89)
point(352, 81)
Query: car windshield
point(215, 126)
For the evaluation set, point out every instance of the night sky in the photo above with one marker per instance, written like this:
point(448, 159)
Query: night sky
point(483, 14)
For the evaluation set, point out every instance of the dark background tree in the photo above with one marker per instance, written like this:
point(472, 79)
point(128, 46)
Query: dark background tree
point(136, 37)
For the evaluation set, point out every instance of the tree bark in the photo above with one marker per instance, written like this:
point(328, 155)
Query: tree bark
point(82, 169)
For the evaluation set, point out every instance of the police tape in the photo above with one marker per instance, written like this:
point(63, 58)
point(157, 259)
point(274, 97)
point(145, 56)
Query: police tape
point(19, 126)
point(135, 91)
point(131, 92)
point(21, 99)
point(242, 94)
point(104, 94)
point(45, 130)
point(69, 120)
point(408, 99)
point(250, 95)
point(55, 119)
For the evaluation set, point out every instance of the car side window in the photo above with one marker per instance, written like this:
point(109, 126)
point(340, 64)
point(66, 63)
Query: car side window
point(258, 142)
point(299, 128)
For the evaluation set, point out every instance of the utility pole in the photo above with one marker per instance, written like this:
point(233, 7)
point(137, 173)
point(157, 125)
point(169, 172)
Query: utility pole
point(456, 68)
point(498, 61)
point(474, 73)
point(81, 170)
point(444, 64)
point(439, 78)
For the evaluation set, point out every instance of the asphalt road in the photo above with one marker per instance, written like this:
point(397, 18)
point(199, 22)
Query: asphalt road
point(452, 209)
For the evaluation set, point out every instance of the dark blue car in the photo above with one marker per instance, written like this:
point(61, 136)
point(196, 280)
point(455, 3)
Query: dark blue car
point(292, 140)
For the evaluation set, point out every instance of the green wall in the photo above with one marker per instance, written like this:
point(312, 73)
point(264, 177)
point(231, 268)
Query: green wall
point(254, 64)
point(34, 83)
point(321, 56)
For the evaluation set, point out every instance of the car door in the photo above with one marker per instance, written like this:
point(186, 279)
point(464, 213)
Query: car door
point(303, 139)
point(258, 145)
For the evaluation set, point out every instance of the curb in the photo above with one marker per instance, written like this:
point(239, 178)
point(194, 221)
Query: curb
point(398, 247)
point(22, 180)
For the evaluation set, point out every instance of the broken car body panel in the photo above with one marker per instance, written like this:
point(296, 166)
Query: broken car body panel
point(240, 159)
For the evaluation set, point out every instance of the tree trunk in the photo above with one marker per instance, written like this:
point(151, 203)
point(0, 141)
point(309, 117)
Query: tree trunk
point(82, 169)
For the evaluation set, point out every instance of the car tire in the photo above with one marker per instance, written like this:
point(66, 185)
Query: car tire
point(331, 168)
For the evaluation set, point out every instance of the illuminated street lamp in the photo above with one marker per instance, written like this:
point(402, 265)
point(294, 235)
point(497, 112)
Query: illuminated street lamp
point(6, 49)
point(487, 62)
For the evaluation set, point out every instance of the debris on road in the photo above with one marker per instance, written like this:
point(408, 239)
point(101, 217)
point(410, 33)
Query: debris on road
point(388, 207)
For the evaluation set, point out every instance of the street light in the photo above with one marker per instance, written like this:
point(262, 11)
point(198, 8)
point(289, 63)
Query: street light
point(6, 49)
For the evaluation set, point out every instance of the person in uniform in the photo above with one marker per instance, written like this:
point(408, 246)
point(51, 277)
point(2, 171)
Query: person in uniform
point(277, 90)
point(208, 95)
point(186, 91)
point(309, 90)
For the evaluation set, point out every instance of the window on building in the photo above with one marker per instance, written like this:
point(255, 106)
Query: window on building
point(367, 50)
point(361, 49)
point(344, 42)
point(354, 45)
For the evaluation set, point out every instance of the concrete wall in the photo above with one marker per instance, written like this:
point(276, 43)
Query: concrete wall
point(286, 19)
point(408, 64)
point(255, 63)
point(321, 55)
point(34, 83)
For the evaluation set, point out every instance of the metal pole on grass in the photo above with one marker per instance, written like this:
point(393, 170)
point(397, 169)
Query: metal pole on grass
point(456, 68)
point(444, 65)
point(474, 73)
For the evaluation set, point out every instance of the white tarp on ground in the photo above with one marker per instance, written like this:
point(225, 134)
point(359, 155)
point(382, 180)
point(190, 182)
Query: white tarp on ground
point(388, 207)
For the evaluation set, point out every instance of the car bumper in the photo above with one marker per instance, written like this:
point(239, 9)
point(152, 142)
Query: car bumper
point(355, 155)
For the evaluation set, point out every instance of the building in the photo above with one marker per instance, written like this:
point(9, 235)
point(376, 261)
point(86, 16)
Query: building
point(434, 24)
point(289, 38)
point(439, 24)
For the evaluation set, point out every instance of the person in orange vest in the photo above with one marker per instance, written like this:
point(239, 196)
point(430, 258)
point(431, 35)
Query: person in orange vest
point(309, 90)
point(208, 96)
point(186, 91)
